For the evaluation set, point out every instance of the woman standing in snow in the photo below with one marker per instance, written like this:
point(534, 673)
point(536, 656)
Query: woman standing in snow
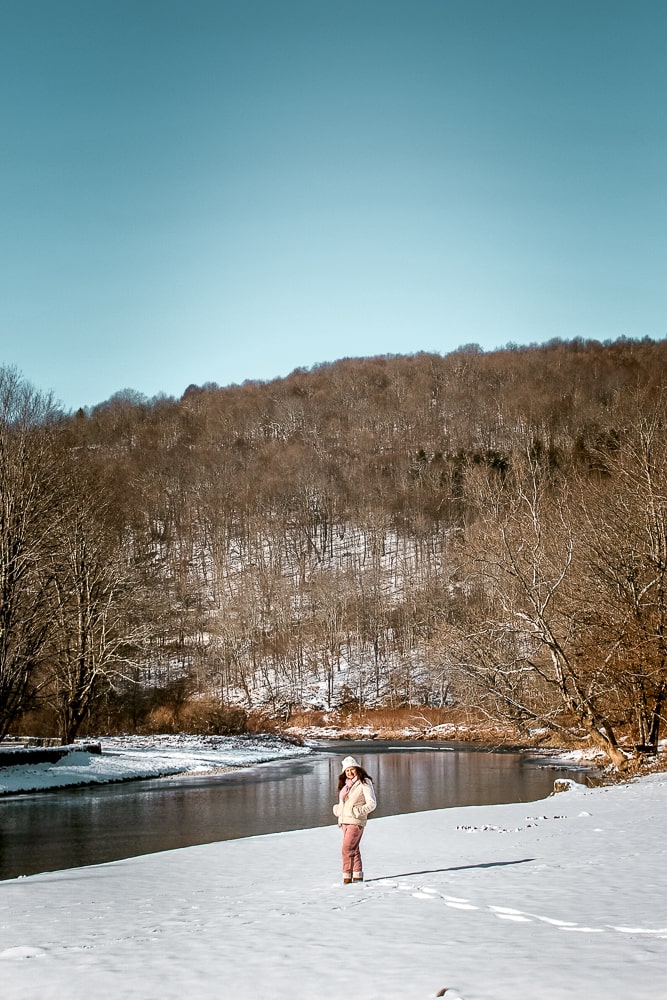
point(356, 799)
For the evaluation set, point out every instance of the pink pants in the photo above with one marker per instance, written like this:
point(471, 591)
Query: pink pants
point(351, 854)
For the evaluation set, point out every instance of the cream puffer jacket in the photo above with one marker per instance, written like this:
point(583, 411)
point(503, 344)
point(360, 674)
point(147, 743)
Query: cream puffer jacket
point(357, 804)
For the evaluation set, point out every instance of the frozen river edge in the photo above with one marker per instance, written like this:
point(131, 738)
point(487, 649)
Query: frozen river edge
point(133, 758)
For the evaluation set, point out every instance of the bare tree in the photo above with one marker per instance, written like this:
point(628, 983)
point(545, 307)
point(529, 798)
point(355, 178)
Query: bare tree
point(98, 628)
point(27, 477)
point(527, 639)
point(624, 504)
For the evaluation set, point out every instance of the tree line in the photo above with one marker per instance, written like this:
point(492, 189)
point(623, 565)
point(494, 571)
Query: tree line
point(483, 529)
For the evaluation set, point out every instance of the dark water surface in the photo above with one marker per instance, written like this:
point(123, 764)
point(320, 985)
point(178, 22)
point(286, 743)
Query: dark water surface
point(51, 831)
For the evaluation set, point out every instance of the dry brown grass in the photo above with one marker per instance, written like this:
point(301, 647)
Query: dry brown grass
point(304, 720)
point(415, 721)
point(408, 717)
point(201, 717)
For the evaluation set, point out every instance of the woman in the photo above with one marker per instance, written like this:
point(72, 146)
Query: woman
point(356, 799)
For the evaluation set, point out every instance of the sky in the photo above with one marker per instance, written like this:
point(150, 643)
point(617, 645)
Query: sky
point(557, 899)
point(218, 191)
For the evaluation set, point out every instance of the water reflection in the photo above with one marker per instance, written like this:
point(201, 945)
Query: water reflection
point(56, 830)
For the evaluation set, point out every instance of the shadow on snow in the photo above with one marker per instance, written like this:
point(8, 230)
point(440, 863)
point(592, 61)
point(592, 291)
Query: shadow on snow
point(456, 868)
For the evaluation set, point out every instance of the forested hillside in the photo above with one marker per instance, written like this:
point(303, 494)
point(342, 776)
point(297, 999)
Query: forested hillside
point(474, 529)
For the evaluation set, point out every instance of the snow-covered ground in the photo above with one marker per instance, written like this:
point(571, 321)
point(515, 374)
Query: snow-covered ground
point(562, 898)
point(124, 758)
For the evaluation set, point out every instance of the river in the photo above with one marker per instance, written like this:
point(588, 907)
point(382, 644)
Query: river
point(68, 828)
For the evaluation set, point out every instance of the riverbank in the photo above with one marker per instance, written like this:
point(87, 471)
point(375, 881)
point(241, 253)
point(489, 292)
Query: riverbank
point(555, 899)
point(460, 726)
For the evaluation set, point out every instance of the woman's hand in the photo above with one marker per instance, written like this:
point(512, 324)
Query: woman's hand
point(359, 811)
point(369, 804)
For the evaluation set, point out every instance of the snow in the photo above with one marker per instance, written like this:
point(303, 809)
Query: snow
point(562, 898)
point(124, 758)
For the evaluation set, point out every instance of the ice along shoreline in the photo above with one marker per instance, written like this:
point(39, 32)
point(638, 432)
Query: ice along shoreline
point(136, 758)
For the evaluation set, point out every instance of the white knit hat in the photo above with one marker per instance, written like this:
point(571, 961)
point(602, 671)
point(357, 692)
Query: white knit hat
point(349, 762)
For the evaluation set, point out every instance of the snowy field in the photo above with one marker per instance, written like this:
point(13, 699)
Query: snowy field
point(563, 898)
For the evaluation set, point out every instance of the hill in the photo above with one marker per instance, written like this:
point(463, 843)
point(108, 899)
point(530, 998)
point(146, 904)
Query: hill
point(479, 530)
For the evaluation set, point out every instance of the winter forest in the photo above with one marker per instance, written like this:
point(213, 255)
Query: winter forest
point(481, 530)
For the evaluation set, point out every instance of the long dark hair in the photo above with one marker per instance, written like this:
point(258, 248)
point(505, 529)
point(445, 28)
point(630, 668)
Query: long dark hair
point(362, 775)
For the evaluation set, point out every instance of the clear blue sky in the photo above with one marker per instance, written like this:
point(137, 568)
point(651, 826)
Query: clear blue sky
point(222, 190)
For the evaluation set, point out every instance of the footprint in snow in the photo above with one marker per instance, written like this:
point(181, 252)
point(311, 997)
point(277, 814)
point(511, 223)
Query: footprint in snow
point(658, 932)
point(506, 913)
point(511, 914)
point(459, 904)
point(426, 893)
point(518, 916)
